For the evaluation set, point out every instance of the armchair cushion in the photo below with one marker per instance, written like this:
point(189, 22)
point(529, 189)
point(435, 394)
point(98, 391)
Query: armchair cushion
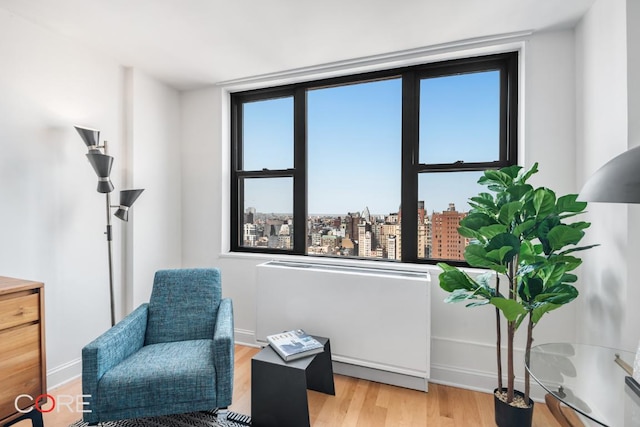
point(164, 374)
point(183, 305)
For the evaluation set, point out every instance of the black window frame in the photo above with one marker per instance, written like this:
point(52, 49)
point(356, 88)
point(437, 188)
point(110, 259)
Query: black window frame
point(411, 168)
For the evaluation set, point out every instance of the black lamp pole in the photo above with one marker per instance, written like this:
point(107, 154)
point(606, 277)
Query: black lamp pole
point(102, 163)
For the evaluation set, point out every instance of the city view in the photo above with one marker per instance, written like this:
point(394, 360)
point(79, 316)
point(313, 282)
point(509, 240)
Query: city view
point(360, 234)
point(353, 149)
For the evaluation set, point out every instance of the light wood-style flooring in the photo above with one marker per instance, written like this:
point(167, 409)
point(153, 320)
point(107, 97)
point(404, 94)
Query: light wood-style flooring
point(356, 403)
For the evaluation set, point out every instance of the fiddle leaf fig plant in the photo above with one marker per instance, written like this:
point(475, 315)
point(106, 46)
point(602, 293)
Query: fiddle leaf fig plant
point(522, 235)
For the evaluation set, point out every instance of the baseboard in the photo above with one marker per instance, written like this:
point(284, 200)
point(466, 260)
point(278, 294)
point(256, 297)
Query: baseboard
point(64, 373)
point(479, 381)
point(245, 337)
point(380, 376)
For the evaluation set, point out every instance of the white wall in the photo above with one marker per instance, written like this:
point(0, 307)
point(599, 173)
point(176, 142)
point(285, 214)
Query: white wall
point(457, 332)
point(156, 239)
point(605, 126)
point(52, 219)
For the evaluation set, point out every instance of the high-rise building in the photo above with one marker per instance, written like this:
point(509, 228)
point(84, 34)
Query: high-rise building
point(446, 242)
point(249, 234)
point(365, 238)
point(351, 222)
point(391, 247)
point(249, 215)
point(422, 240)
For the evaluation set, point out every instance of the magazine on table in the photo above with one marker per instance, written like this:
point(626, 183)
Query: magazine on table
point(294, 344)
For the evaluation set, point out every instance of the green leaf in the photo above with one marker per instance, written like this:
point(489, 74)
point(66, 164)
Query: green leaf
point(484, 280)
point(569, 278)
point(552, 273)
point(490, 231)
point(527, 251)
point(525, 176)
point(543, 231)
point(520, 319)
point(540, 310)
point(529, 288)
point(563, 235)
point(485, 200)
point(494, 178)
point(559, 294)
point(510, 308)
point(500, 255)
point(570, 262)
point(459, 295)
point(476, 256)
point(475, 221)
point(505, 240)
point(576, 249)
point(478, 303)
point(569, 203)
point(524, 228)
point(580, 225)
point(509, 212)
point(511, 171)
point(544, 202)
point(452, 278)
point(518, 192)
point(467, 232)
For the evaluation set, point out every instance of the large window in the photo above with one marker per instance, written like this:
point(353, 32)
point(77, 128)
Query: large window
point(372, 166)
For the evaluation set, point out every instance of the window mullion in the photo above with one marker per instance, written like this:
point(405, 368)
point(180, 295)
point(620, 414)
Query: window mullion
point(409, 196)
point(300, 171)
point(237, 189)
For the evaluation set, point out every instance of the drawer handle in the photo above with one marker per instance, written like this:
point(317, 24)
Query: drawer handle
point(20, 312)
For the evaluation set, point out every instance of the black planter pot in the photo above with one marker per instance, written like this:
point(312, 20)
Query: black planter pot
point(512, 416)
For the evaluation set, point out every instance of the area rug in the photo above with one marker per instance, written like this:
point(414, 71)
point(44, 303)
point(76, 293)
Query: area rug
point(195, 419)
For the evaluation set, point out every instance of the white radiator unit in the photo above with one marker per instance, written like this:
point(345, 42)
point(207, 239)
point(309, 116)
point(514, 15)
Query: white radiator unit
point(377, 319)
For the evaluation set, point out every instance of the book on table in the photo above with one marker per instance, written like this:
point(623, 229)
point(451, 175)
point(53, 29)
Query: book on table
point(294, 344)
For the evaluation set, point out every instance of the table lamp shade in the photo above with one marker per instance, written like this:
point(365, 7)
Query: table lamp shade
point(618, 181)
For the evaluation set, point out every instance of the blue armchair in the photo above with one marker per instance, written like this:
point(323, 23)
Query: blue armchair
point(171, 355)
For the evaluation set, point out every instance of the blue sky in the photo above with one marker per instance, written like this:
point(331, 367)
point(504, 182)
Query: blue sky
point(354, 144)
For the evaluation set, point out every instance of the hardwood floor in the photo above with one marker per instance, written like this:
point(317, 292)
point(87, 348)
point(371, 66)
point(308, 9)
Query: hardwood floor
point(356, 403)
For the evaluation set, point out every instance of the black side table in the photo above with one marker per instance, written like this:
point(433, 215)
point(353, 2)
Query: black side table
point(279, 388)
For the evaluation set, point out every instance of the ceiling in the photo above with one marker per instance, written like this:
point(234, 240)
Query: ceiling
point(194, 43)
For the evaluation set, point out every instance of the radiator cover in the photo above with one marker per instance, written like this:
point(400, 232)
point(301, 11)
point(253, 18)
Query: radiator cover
point(376, 318)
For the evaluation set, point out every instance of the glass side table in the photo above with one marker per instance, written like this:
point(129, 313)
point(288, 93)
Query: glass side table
point(588, 379)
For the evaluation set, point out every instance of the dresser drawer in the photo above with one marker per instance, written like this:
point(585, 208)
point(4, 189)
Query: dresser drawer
point(20, 364)
point(19, 310)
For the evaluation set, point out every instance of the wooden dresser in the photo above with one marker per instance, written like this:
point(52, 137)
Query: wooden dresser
point(22, 350)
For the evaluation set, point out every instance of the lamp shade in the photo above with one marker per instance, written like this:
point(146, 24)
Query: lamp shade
point(102, 166)
point(618, 181)
point(91, 137)
point(127, 198)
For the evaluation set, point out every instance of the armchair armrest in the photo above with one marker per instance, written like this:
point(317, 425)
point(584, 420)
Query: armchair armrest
point(223, 347)
point(111, 348)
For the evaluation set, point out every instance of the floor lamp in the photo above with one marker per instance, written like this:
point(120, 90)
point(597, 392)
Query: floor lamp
point(102, 163)
point(618, 181)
